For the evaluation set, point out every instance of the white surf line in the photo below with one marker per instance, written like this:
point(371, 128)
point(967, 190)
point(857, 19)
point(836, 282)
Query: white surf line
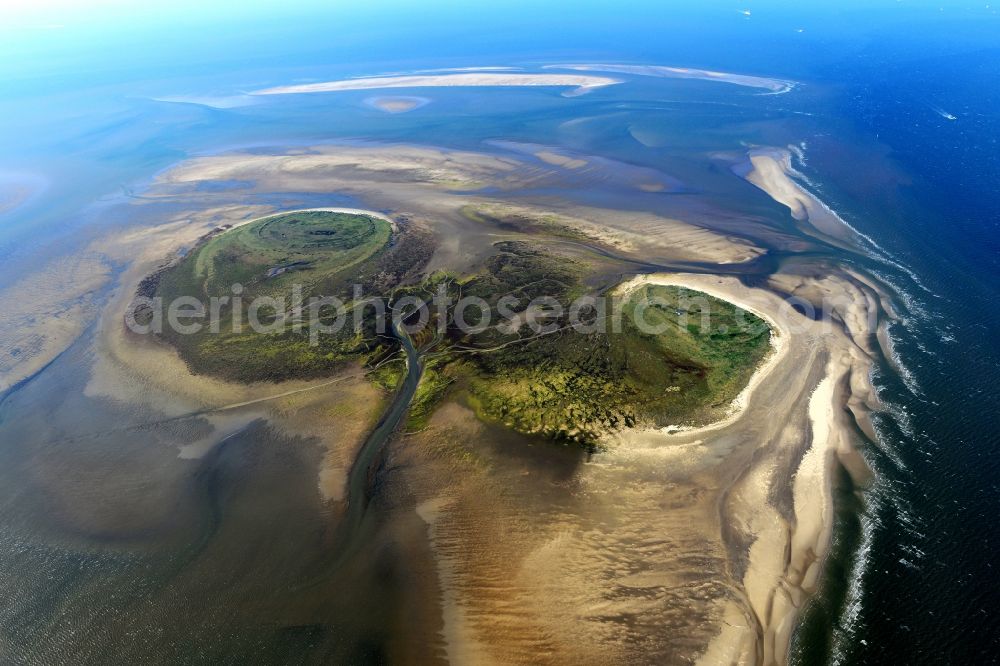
point(876, 250)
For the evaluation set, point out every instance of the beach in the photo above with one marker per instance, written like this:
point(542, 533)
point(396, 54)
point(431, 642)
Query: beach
point(783, 498)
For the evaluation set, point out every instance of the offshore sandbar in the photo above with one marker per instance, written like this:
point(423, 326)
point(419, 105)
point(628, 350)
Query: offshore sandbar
point(771, 170)
point(581, 83)
point(767, 83)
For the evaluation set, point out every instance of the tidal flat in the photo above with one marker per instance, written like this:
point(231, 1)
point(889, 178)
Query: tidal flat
point(509, 515)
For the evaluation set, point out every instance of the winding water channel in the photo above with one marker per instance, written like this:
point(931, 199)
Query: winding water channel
point(359, 480)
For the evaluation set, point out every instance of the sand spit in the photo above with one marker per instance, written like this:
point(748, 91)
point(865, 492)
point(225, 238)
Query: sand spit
point(780, 507)
point(770, 169)
point(580, 83)
point(642, 235)
point(349, 168)
point(767, 83)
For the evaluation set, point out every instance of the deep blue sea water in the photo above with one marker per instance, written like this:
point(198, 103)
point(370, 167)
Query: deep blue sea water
point(900, 114)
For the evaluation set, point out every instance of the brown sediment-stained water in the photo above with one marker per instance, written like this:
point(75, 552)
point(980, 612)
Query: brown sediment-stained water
point(178, 510)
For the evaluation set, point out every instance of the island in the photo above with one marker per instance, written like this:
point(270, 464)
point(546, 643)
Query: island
point(598, 359)
point(648, 430)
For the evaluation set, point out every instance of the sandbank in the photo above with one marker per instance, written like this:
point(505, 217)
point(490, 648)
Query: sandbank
point(581, 83)
point(771, 170)
point(397, 104)
point(718, 532)
point(767, 83)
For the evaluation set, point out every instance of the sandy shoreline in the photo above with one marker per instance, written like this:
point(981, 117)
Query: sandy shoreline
point(793, 408)
point(776, 587)
point(779, 342)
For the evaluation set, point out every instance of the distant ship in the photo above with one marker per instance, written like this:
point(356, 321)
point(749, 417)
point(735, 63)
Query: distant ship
point(944, 114)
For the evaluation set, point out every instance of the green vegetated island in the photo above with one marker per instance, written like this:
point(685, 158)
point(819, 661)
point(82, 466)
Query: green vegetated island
point(564, 384)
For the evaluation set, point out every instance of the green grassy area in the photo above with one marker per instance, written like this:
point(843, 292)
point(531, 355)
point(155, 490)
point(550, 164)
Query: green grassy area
point(569, 386)
point(690, 360)
point(576, 386)
point(314, 248)
point(316, 253)
point(433, 385)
